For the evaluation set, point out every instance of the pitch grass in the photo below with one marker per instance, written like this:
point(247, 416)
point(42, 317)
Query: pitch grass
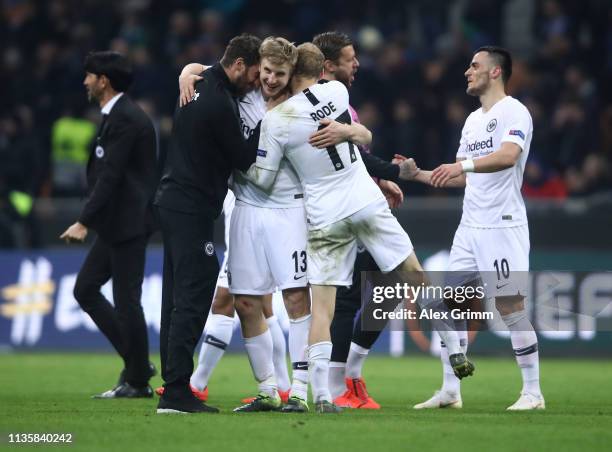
point(51, 393)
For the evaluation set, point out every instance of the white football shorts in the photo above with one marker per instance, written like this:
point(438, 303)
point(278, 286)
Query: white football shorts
point(268, 249)
point(228, 206)
point(332, 249)
point(499, 255)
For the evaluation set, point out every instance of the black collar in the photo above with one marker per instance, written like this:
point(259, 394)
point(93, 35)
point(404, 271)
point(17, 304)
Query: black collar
point(218, 70)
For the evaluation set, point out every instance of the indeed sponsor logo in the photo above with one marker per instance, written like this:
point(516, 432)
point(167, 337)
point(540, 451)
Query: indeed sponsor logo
point(477, 145)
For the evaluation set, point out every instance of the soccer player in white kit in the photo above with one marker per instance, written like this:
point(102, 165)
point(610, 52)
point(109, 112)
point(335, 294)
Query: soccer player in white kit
point(343, 205)
point(493, 236)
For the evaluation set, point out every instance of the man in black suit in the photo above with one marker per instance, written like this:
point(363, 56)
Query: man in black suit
point(206, 145)
point(121, 178)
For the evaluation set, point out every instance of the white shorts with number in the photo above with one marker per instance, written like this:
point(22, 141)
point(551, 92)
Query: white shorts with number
point(268, 249)
point(499, 255)
point(228, 206)
point(332, 249)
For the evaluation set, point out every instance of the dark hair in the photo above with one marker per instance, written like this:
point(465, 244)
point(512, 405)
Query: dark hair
point(502, 58)
point(113, 65)
point(245, 46)
point(331, 44)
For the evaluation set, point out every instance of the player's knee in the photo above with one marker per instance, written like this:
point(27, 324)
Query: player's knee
point(223, 303)
point(296, 302)
point(247, 307)
point(509, 304)
point(266, 306)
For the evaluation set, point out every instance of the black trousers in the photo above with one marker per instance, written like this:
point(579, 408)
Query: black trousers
point(346, 325)
point(124, 323)
point(190, 276)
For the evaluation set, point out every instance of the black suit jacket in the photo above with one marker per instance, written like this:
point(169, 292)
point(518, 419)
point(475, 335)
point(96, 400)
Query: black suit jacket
point(121, 175)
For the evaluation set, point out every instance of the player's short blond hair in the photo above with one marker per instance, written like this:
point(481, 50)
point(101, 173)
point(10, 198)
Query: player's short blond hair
point(310, 61)
point(279, 51)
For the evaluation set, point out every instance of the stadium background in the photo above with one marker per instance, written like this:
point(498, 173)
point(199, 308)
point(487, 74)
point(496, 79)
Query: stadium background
point(410, 91)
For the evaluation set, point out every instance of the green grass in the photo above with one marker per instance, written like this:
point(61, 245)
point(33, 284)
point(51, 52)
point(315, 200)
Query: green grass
point(51, 393)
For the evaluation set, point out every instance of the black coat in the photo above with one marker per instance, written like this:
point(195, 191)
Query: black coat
point(207, 143)
point(122, 175)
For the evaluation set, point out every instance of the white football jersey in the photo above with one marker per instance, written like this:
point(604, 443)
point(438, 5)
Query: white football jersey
point(287, 190)
point(335, 181)
point(494, 200)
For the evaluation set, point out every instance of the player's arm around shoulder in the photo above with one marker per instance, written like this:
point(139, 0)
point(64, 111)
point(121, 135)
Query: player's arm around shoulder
point(333, 132)
point(187, 80)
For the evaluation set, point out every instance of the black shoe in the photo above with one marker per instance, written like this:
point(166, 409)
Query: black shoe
point(152, 370)
point(324, 407)
point(126, 391)
point(152, 373)
point(295, 405)
point(262, 402)
point(183, 406)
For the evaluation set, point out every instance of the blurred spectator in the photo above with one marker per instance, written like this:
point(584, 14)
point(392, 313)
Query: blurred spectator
point(541, 182)
point(410, 87)
point(21, 174)
point(593, 176)
point(71, 138)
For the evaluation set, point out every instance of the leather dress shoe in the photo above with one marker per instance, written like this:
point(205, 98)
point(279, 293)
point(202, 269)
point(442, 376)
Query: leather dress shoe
point(126, 391)
point(152, 373)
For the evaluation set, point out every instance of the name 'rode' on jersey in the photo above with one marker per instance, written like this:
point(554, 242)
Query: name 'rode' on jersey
point(287, 190)
point(335, 181)
point(494, 200)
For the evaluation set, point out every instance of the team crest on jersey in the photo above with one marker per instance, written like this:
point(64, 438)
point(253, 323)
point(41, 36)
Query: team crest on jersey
point(492, 125)
point(195, 96)
point(209, 248)
point(99, 151)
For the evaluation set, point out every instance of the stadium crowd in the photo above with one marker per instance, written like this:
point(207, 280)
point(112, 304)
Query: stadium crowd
point(407, 90)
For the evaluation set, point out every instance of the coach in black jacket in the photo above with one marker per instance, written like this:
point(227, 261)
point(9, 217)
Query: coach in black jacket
point(121, 178)
point(206, 145)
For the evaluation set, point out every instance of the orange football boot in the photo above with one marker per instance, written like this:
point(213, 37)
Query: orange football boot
point(359, 390)
point(347, 400)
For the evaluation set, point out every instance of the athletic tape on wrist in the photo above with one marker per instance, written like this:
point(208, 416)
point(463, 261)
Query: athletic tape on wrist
point(467, 166)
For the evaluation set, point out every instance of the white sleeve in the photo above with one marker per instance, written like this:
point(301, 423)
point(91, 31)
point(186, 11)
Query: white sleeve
point(272, 140)
point(461, 151)
point(341, 94)
point(518, 127)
